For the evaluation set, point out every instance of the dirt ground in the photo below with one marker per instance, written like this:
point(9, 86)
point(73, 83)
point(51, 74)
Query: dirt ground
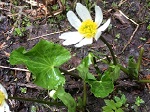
point(128, 33)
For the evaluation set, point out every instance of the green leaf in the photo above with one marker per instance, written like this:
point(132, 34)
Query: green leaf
point(103, 87)
point(107, 109)
point(117, 99)
point(139, 101)
point(123, 99)
point(67, 99)
point(80, 103)
point(111, 104)
point(119, 110)
point(83, 68)
point(120, 101)
point(119, 104)
point(132, 68)
point(43, 61)
point(115, 72)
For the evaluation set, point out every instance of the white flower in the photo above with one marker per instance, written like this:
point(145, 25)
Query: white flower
point(3, 95)
point(87, 29)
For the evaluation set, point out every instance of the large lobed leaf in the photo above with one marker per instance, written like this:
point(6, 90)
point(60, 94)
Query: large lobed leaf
point(43, 61)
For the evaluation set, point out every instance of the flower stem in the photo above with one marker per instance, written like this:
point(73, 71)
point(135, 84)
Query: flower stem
point(38, 101)
point(84, 95)
point(110, 49)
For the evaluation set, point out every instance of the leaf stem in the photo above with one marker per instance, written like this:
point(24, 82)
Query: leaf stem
point(110, 49)
point(144, 81)
point(140, 58)
point(123, 69)
point(96, 68)
point(38, 101)
point(84, 95)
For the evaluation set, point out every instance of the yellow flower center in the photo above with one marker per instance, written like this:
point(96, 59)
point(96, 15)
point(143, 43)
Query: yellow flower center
point(2, 98)
point(88, 28)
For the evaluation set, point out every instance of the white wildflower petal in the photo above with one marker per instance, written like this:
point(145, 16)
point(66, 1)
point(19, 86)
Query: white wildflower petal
point(98, 15)
point(85, 41)
point(104, 26)
point(2, 89)
point(71, 38)
point(4, 107)
point(83, 12)
point(98, 34)
point(73, 19)
point(66, 35)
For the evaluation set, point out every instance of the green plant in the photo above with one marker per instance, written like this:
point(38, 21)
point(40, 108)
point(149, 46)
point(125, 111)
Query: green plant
point(115, 105)
point(134, 67)
point(117, 35)
point(89, 4)
point(38, 60)
point(148, 27)
point(143, 38)
point(138, 101)
point(21, 28)
point(104, 3)
point(104, 81)
point(19, 31)
point(45, 59)
point(23, 90)
point(114, 5)
point(15, 2)
point(33, 109)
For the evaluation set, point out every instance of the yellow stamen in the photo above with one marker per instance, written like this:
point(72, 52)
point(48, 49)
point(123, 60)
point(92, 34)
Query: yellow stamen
point(88, 28)
point(2, 98)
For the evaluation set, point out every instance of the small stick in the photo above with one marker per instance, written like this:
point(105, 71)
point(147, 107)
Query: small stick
point(18, 69)
point(137, 26)
point(26, 70)
point(121, 2)
point(47, 35)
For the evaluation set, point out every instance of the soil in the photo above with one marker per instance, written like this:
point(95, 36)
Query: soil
point(127, 34)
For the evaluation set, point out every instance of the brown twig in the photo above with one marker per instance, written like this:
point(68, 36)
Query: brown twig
point(121, 2)
point(47, 35)
point(18, 69)
point(67, 72)
point(137, 26)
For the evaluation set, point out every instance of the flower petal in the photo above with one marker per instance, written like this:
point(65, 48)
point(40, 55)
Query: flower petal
point(83, 12)
point(98, 34)
point(71, 38)
point(85, 41)
point(98, 15)
point(73, 19)
point(2, 89)
point(5, 107)
point(104, 26)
